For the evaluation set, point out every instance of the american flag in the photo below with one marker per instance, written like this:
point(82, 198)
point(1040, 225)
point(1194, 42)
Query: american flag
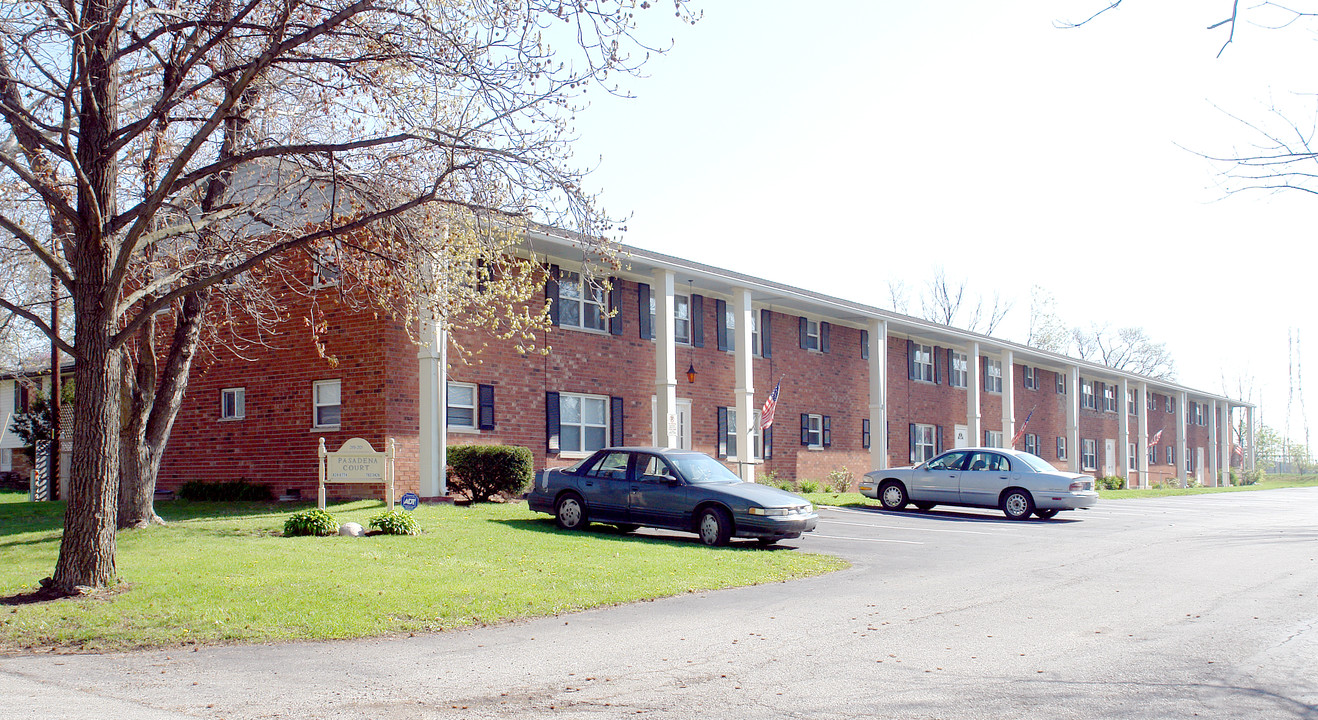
point(1021, 433)
point(766, 415)
point(1156, 436)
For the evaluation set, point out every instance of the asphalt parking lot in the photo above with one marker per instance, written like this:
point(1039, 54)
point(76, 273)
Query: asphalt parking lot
point(1168, 608)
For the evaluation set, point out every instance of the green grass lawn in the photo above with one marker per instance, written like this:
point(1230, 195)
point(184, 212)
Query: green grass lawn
point(221, 572)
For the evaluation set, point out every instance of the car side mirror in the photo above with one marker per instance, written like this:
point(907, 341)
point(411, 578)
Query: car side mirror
point(671, 481)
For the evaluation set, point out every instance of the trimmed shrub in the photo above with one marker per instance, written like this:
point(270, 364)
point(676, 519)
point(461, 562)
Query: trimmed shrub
point(808, 486)
point(1251, 477)
point(840, 480)
point(1109, 482)
point(396, 522)
point(311, 522)
point(232, 491)
point(482, 471)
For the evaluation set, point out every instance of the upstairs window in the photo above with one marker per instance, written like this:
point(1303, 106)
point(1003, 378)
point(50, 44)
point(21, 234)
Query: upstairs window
point(581, 306)
point(1110, 398)
point(1087, 395)
point(960, 369)
point(233, 403)
point(993, 375)
point(325, 399)
point(922, 362)
point(1031, 378)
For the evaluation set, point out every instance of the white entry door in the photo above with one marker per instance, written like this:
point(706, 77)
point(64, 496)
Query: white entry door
point(683, 423)
point(962, 438)
point(1199, 465)
point(1109, 457)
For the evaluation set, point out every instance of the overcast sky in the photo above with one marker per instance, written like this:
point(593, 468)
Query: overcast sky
point(839, 145)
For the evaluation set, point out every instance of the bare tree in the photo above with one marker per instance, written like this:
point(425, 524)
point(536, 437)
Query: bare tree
point(177, 150)
point(899, 296)
point(946, 302)
point(1128, 348)
point(1047, 331)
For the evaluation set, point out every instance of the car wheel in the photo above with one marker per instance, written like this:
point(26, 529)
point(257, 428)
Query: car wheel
point(625, 528)
point(924, 507)
point(1044, 514)
point(714, 526)
point(1017, 504)
point(570, 512)
point(892, 495)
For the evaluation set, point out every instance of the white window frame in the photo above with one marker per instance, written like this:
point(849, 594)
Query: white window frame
point(1061, 445)
point(960, 369)
point(994, 438)
point(757, 452)
point(926, 446)
point(582, 450)
point(570, 282)
point(1168, 398)
point(1032, 443)
point(450, 404)
point(316, 404)
point(993, 374)
point(239, 404)
point(682, 319)
point(812, 335)
point(6, 459)
point(1089, 454)
point(814, 432)
point(1031, 378)
point(1132, 456)
point(1061, 383)
point(1087, 400)
point(923, 362)
point(1131, 405)
point(755, 333)
point(730, 325)
point(1109, 398)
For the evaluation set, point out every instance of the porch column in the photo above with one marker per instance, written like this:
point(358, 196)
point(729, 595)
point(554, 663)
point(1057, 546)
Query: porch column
point(1224, 442)
point(1008, 398)
point(1211, 451)
point(1249, 431)
point(878, 370)
point(1182, 446)
point(974, 384)
point(1073, 418)
point(432, 358)
point(1142, 434)
point(745, 379)
point(1123, 429)
point(665, 360)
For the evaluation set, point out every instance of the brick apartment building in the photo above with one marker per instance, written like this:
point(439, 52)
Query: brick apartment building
point(860, 388)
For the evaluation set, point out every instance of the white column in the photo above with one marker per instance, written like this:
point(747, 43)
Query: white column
point(665, 360)
point(974, 383)
point(1008, 398)
point(1249, 432)
point(1143, 434)
point(745, 379)
point(1123, 430)
point(1224, 442)
point(431, 360)
point(1073, 418)
point(878, 368)
point(1182, 446)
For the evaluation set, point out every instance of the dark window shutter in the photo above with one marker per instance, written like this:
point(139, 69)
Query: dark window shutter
point(643, 311)
point(864, 344)
point(912, 443)
point(615, 306)
point(938, 371)
point(698, 320)
point(805, 429)
point(485, 396)
point(551, 422)
point(482, 275)
point(826, 430)
point(910, 359)
point(805, 331)
point(768, 442)
point(721, 323)
point(551, 294)
point(951, 367)
point(617, 428)
point(865, 433)
point(1060, 455)
point(766, 345)
point(722, 432)
point(823, 337)
point(986, 438)
point(938, 439)
point(983, 372)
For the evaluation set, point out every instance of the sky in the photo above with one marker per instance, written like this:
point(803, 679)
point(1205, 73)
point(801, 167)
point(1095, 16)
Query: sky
point(840, 146)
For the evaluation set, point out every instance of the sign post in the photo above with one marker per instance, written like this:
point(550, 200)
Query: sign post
point(357, 462)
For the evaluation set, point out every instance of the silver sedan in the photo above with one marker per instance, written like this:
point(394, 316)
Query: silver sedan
point(1016, 482)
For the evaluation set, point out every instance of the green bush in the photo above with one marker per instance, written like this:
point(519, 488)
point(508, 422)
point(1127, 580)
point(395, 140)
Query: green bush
point(482, 471)
point(1251, 477)
point(396, 522)
point(311, 522)
point(1109, 482)
point(809, 486)
point(232, 491)
point(840, 480)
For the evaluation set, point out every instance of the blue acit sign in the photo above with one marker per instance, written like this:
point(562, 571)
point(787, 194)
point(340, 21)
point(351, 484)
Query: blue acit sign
point(409, 501)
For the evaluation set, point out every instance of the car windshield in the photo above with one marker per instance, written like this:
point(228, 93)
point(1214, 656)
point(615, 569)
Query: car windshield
point(697, 468)
point(1035, 463)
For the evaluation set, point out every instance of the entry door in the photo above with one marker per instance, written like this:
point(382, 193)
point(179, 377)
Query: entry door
point(1109, 457)
point(1199, 464)
point(683, 423)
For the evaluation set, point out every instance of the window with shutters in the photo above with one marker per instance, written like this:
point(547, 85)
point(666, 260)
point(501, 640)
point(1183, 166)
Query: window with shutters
point(580, 304)
point(755, 333)
point(1061, 448)
point(461, 406)
point(681, 318)
point(993, 376)
point(1151, 401)
point(811, 338)
point(993, 438)
point(812, 432)
point(1168, 403)
point(1087, 395)
point(583, 422)
point(1032, 443)
point(731, 436)
point(1171, 455)
point(923, 442)
point(1031, 378)
point(1132, 456)
point(1131, 405)
point(1089, 454)
point(1061, 383)
point(960, 371)
point(922, 362)
point(1110, 398)
point(1153, 454)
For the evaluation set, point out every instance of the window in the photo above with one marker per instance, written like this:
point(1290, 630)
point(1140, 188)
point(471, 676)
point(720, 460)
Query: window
point(1130, 402)
point(922, 362)
point(1061, 448)
point(1061, 384)
point(233, 403)
point(326, 263)
point(812, 431)
point(1089, 454)
point(1031, 378)
point(325, 398)
point(461, 406)
point(1110, 398)
point(583, 422)
point(923, 444)
point(1171, 455)
point(682, 319)
point(578, 306)
point(731, 435)
point(1150, 401)
point(755, 333)
point(960, 372)
point(810, 341)
point(6, 459)
point(1153, 454)
point(1132, 456)
point(993, 438)
point(1168, 398)
point(727, 326)
point(1087, 395)
point(1032, 443)
point(993, 375)
point(1189, 462)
